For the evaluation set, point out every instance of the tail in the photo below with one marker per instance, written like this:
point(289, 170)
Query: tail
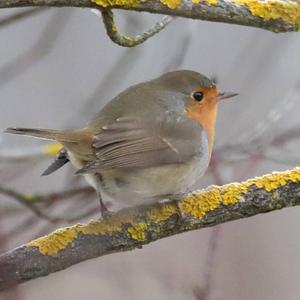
point(47, 134)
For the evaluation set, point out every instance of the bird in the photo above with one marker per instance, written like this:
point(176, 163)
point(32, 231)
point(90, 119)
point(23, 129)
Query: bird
point(149, 143)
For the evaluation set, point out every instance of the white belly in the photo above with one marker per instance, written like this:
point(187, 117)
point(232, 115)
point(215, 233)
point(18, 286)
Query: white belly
point(149, 185)
point(130, 187)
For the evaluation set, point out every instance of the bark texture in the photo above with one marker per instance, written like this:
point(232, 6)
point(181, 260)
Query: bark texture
point(135, 227)
point(274, 15)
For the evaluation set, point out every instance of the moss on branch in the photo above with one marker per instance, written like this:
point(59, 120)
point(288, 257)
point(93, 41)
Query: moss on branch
point(274, 15)
point(134, 227)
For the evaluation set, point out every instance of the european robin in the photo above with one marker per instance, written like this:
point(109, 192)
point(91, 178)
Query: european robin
point(149, 143)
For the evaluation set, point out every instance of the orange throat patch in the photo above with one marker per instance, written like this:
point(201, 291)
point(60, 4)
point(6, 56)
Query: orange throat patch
point(207, 119)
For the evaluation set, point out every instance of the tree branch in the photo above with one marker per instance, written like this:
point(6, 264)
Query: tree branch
point(130, 41)
point(132, 228)
point(273, 15)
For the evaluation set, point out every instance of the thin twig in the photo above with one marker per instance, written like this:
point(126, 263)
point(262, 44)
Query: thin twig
point(40, 49)
point(23, 200)
point(205, 292)
point(34, 198)
point(21, 16)
point(29, 201)
point(131, 41)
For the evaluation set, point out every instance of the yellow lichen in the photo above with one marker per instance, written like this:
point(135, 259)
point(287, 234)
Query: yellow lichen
point(56, 241)
point(212, 2)
point(96, 227)
point(60, 239)
point(197, 204)
point(200, 203)
point(171, 3)
point(276, 179)
point(123, 3)
point(157, 215)
point(114, 27)
point(52, 149)
point(138, 231)
point(31, 197)
point(232, 192)
point(288, 11)
point(112, 223)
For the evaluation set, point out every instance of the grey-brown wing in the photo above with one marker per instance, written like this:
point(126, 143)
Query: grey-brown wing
point(128, 145)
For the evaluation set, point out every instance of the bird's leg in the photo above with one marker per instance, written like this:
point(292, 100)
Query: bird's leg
point(103, 208)
point(175, 198)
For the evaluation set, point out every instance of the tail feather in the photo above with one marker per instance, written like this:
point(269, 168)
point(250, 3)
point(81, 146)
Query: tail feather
point(47, 134)
point(61, 160)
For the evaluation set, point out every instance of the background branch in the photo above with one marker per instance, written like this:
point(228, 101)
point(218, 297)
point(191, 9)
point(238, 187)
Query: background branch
point(132, 228)
point(20, 16)
point(30, 201)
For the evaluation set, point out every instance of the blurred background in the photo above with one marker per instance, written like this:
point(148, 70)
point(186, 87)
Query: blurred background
point(58, 67)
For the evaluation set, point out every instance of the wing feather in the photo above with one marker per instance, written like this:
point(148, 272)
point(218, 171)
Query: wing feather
point(130, 144)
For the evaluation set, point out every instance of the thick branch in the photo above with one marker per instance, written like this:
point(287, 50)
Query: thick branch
point(274, 15)
point(132, 228)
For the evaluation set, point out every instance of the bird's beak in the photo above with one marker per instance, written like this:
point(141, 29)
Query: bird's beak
point(226, 95)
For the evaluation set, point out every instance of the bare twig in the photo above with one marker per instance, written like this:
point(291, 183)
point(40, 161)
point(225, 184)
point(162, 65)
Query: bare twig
point(30, 201)
point(34, 198)
point(23, 200)
point(132, 228)
point(41, 48)
point(20, 16)
point(205, 291)
point(130, 41)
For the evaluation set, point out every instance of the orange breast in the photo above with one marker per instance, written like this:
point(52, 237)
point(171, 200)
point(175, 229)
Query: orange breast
point(205, 114)
point(208, 125)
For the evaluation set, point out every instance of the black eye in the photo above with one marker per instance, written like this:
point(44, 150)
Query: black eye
point(198, 96)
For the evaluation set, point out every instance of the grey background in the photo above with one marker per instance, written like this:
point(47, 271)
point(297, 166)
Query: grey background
point(58, 68)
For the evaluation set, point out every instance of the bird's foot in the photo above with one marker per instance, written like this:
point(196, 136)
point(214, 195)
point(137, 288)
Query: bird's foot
point(104, 210)
point(106, 214)
point(176, 199)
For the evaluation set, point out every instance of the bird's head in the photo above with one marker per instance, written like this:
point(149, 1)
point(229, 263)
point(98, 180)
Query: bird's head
point(198, 94)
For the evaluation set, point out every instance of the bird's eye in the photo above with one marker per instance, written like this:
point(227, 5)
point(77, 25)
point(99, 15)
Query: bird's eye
point(198, 96)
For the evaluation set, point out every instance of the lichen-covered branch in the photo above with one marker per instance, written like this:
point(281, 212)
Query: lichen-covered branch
point(130, 41)
point(274, 15)
point(132, 228)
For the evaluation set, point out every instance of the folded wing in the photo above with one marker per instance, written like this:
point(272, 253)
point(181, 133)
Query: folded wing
point(129, 144)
